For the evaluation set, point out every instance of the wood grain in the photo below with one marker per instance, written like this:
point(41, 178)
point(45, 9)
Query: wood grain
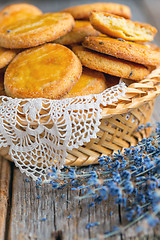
point(34, 218)
point(28, 213)
point(4, 194)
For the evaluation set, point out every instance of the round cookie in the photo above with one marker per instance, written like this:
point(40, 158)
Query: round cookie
point(83, 11)
point(90, 82)
point(120, 27)
point(36, 30)
point(6, 55)
point(110, 65)
point(16, 12)
point(120, 48)
point(47, 71)
point(81, 30)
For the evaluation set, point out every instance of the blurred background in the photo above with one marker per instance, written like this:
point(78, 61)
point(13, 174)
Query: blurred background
point(142, 10)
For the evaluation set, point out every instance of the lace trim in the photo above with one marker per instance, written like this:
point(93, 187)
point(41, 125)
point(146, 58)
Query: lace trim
point(40, 131)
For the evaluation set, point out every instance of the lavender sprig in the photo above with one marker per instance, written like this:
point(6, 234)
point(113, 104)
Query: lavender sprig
point(132, 178)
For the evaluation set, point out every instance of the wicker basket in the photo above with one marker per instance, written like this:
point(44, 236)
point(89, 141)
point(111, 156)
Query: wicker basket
point(119, 123)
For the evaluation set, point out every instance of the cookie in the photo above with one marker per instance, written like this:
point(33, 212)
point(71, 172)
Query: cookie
point(120, 27)
point(119, 48)
point(6, 55)
point(83, 11)
point(90, 82)
point(110, 65)
point(36, 30)
point(16, 12)
point(81, 30)
point(47, 71)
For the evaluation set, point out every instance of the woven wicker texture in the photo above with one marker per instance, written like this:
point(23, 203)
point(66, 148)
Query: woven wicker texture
point(137, 94)
point(119, 123)
point(116, 133)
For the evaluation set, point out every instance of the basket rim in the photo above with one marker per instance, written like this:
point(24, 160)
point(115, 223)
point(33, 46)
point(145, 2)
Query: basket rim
point(137, 94)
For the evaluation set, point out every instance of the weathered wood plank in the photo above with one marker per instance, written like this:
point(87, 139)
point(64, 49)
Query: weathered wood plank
point(4, 194)
point(28, 213)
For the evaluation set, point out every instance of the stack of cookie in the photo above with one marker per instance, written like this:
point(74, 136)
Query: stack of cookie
point(40, 56)
point(121, 49)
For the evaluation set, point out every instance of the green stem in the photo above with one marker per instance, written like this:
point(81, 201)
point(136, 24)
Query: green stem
point(145, 171)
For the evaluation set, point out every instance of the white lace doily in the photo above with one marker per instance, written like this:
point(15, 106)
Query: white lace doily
point(40, 131)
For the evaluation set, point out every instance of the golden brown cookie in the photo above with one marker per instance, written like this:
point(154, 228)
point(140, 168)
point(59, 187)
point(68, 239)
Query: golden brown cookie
point(36, 30)
point(47, 71)
point(120, 27)
point(90, 82)
point(6, 55)
point(110, 65)
point(16, 12)
point(81, 30)
point(83, 11)
point(120, 48)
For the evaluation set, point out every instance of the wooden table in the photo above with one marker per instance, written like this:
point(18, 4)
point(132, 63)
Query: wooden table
point(24, 216)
